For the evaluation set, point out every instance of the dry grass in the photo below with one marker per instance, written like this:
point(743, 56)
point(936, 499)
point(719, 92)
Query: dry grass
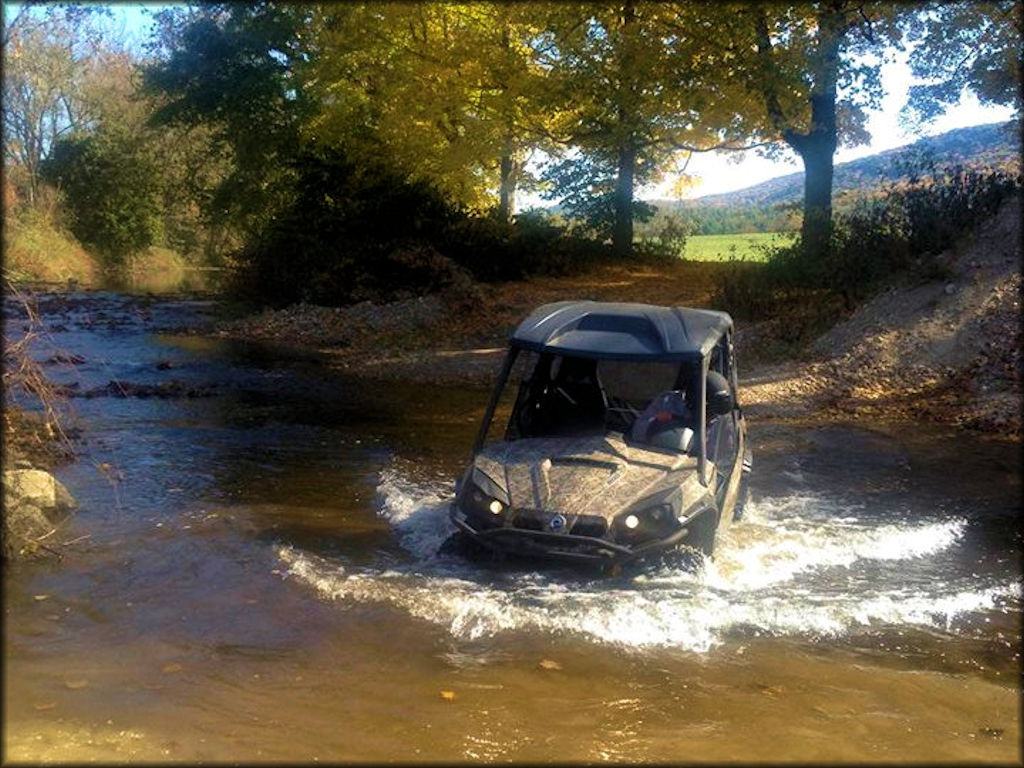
point(35, 249)
point(36, 434)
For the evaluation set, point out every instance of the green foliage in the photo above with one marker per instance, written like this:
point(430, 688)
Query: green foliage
point(329, 245)
point(902, 234)
point(968, 45)
point(111, 189)
point(674, 232)
point(531, 245)
point(235, 68)
point(585, 188)
point(356, 231)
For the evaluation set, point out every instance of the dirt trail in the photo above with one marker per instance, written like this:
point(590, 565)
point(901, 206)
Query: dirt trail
point(945, 351)
point(458, 338)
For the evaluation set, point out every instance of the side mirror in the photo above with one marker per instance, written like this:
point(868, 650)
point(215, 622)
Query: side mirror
point(719, 394)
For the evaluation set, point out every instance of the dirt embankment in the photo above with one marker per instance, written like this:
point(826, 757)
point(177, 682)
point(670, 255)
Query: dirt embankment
point(945, 351)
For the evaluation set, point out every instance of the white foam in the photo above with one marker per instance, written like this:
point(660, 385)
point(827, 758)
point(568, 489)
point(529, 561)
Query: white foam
point(418, 512)
point(782, 538)
point(785, 570)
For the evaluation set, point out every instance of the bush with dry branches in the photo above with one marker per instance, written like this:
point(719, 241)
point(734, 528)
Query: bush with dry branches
point(34, 408)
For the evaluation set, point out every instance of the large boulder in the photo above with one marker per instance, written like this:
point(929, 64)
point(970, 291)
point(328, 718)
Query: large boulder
point(35, 502)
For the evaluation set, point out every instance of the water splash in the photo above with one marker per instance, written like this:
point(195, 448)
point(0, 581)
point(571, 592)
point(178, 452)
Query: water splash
point(786, 570)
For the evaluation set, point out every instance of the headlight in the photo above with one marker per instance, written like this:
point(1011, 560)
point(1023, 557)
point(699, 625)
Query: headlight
point(484, 500)
point(638, 525)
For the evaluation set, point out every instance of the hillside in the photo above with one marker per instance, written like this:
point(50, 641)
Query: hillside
point(773, 204)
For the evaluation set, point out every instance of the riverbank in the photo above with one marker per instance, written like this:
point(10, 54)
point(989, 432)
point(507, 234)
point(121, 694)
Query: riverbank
point(945, 351)
point(38, 252)
point(458, 337)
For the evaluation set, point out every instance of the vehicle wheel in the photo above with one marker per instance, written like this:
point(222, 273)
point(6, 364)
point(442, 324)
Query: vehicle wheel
point(683, 558)
point(611, 570)
point(460, 544)
point(744, 494)
point(741, 498)
point(702, 536)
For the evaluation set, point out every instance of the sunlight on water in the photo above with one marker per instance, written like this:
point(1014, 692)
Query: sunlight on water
point(800, 565)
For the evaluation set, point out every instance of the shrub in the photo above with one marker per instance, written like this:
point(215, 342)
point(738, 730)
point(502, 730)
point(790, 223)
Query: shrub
point(901, 233)
point(111, 192)
point(332, 243)
point(35, 410)
point(358, 231)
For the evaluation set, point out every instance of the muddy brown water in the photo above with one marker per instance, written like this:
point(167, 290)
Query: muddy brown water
point(256, 577)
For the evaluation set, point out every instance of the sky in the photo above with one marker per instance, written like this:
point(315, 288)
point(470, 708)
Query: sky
point(716, 172)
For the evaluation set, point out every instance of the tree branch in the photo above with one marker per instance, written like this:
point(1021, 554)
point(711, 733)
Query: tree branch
point(764, 55)
point(727, 146)
point(869, 33)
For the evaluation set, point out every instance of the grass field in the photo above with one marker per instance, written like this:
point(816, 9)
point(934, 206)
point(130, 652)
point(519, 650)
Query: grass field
point(722, 247)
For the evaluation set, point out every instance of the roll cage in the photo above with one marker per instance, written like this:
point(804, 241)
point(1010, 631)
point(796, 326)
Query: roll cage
point(625, 332)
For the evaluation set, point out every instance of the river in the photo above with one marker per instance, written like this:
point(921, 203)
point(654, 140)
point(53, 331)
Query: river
point(254, 576)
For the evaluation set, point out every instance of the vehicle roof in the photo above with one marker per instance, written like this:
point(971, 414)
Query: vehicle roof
point(621, 331)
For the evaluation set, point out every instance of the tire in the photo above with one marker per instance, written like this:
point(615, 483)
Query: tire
point(461, 545)
point(702, 537)
point(742, 498)
point(744, 494)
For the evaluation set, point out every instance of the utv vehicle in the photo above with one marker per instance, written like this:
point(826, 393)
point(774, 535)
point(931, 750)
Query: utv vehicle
point(624, 440)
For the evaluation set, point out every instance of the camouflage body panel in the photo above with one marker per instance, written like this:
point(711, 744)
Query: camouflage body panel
point(592, 475)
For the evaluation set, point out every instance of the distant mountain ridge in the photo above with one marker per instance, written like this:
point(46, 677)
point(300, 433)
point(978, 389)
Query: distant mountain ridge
point(762, 207)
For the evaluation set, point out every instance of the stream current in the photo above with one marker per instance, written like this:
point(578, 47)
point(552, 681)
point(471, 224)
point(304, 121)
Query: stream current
point(255, 576)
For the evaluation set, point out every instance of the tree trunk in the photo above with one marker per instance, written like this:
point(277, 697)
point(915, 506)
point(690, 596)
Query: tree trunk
point(507, 165)
point(622, 226)
point(817, 145)
point(622, 229)
point(507, 189)
point(816, 153)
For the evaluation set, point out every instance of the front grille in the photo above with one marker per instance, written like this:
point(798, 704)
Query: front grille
point(590, 525)
point(483, 522)
point(528, 521)
point(585, 525)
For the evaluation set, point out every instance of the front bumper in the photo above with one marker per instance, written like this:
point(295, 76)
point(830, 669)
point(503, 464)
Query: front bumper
point(566, 547)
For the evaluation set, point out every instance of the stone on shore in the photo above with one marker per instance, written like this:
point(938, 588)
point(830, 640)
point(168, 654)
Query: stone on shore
point(35, 503)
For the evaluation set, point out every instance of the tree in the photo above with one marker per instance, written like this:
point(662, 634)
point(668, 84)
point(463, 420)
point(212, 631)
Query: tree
point(49, 51)
point(645, 83)
point(236, 70)
point(973, 46)
point(112, 191)
point(449, 92)
point(189, 163)
point(812, 70)
point(604, 64)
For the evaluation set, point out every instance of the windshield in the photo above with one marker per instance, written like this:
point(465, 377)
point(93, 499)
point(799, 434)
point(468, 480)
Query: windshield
point(566, 396)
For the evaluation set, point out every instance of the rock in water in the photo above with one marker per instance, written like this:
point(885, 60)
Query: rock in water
point(38, 487)
point(34, 503)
